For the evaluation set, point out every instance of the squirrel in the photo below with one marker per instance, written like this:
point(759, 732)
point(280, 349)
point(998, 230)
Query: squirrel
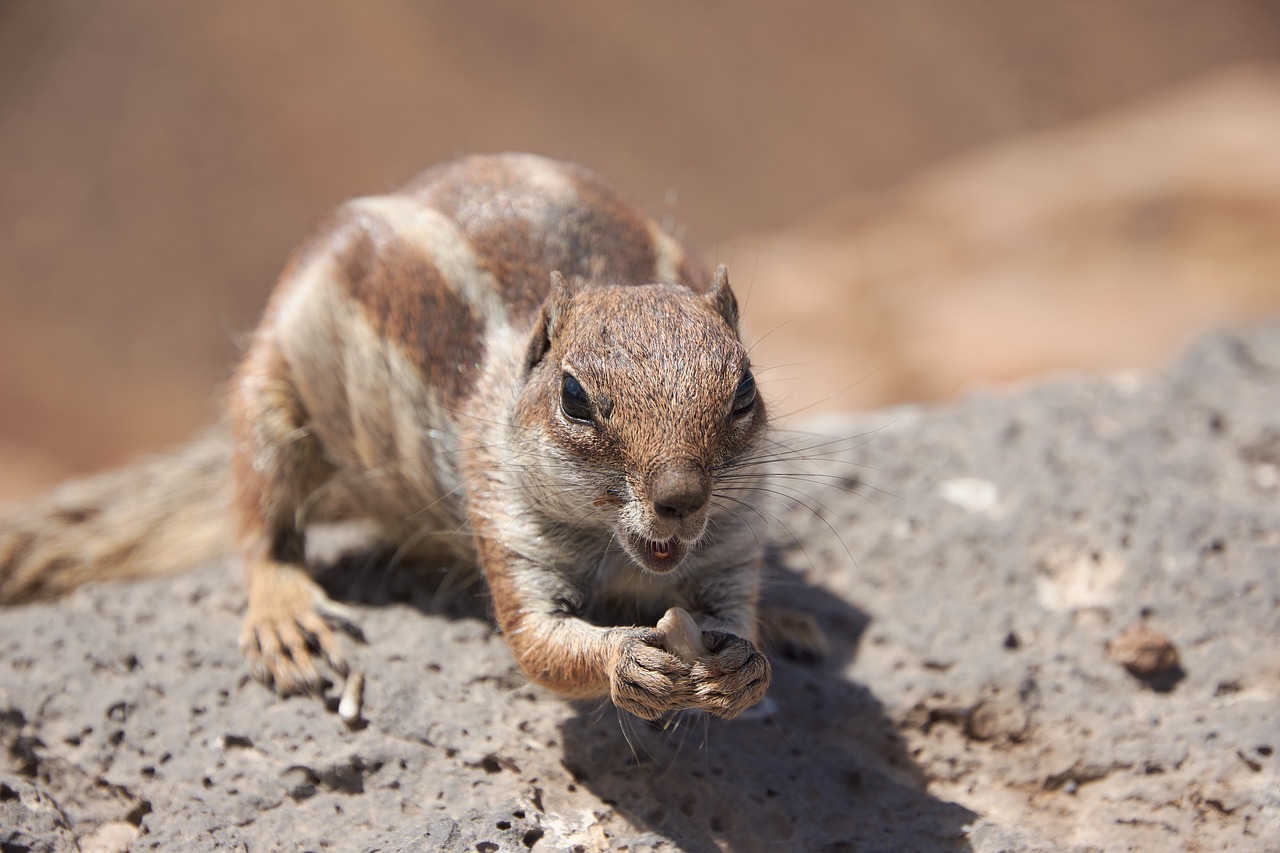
point(504, 365)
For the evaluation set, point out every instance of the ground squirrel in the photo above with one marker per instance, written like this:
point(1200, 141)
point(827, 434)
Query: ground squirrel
point(502, 364)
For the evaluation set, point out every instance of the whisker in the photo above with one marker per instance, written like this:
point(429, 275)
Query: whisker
point(834, 482)
point(827, 399)
point(773, 519)
point(758, 340)
point(791, 496)
point(738, 517)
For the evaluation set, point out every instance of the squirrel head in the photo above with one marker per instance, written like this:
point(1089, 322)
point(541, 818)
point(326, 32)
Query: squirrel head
point(641, 398)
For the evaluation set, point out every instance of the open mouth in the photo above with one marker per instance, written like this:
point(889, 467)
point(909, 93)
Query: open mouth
point(659, 557)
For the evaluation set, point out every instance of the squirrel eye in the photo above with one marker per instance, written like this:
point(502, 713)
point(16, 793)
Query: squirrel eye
point(745, 397)
point(574, 401)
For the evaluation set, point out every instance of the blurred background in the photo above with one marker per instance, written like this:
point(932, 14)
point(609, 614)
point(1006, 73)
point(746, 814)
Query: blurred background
point(915, 197)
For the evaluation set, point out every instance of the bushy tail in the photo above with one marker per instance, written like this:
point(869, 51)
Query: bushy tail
point(158, 516)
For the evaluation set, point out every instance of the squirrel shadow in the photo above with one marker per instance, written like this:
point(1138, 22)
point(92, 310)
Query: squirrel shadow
point(818, 765)
point(354, 564)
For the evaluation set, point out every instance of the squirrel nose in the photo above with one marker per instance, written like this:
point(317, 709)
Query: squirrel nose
point(680, 490)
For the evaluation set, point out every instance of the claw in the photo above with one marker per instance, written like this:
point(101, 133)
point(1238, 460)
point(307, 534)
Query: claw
point(321, 637)
point(288, 625)
point(339, 617)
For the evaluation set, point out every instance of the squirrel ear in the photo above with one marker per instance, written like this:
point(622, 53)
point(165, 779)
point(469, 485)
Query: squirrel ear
point(722, 299)
point(549, 315)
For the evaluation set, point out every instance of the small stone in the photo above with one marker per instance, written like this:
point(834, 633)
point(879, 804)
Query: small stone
point(1143, 651)
point(301, 782)
point(997, 718)
point(112, 837)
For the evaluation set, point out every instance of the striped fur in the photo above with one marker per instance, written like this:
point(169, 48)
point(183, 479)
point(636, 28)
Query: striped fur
point(413, 359)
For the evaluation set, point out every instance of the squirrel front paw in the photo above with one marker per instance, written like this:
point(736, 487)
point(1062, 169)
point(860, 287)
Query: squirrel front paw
point(717, 672)
point(727, 673)
point(287, 625)
point(645, 679)
point(731, 677)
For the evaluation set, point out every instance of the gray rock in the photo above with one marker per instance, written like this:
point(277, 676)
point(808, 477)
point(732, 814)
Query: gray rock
point(970, 564)
point(30, 819)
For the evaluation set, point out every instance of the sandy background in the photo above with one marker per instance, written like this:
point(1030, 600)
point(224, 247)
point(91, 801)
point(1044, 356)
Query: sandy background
point(921, 194)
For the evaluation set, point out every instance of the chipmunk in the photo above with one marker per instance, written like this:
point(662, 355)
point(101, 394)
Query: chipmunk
point(504, 365)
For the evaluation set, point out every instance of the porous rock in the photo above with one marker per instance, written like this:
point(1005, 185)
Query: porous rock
point(968, 702)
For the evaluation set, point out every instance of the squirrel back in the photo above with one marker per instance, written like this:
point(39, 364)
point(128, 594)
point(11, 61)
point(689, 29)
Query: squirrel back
point(507, 366)
point(455, 263)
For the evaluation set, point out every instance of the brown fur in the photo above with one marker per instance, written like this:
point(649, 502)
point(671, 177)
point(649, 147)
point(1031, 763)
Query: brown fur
point(404, 295)
point(484, 364)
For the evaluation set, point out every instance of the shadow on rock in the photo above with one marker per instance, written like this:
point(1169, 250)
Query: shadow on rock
point(356, 567)
point(819, 767)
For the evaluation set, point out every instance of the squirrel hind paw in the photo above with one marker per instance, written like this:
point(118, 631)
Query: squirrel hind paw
point(289, 624)
point(792, 634)
point(280, 656)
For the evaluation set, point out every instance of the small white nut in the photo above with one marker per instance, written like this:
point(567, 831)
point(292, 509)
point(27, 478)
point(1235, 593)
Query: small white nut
point(681, 635)
point(351, 704)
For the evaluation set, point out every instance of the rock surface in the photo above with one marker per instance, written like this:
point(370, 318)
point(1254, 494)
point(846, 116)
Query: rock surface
point(970, 564)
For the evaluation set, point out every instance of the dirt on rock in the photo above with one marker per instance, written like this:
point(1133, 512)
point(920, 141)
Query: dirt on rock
point(969, 563)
